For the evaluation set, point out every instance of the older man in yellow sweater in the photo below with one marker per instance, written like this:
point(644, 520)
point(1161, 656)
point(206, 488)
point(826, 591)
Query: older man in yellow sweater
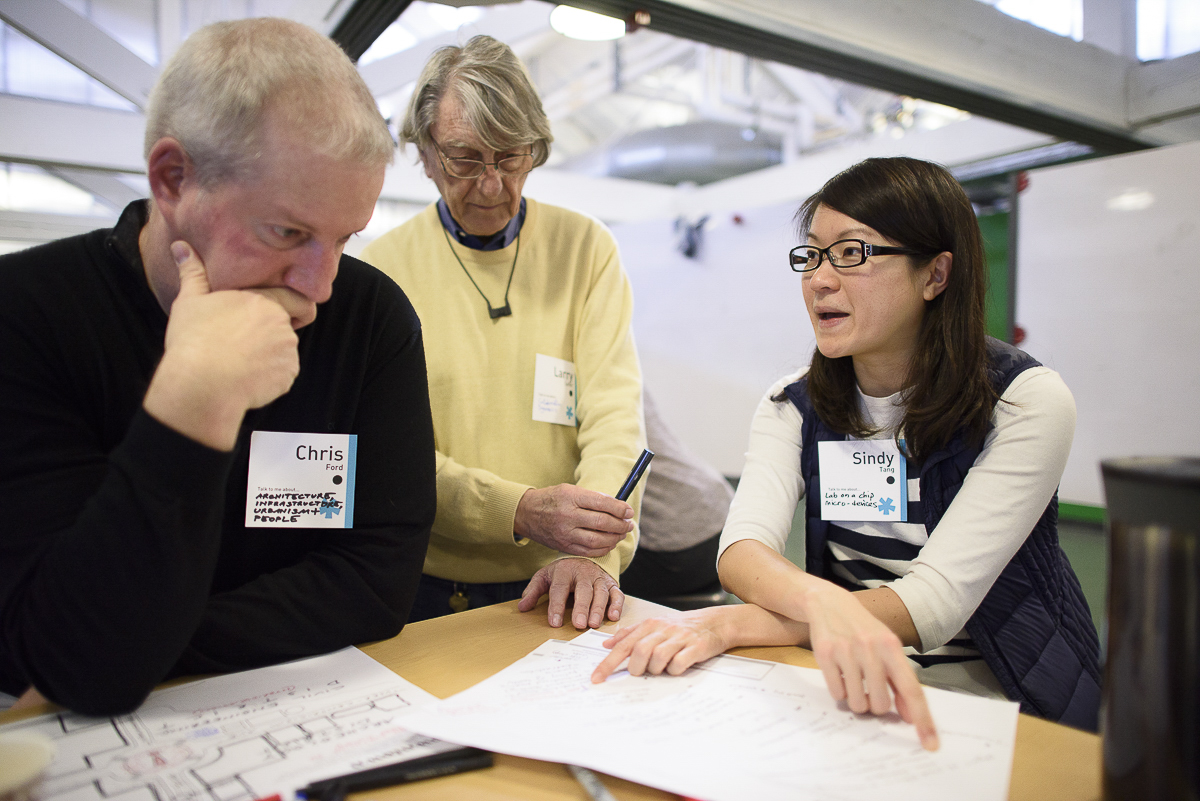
point(533, 376)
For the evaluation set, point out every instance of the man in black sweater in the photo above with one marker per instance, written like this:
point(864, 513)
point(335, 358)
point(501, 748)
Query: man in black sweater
point(137, 362)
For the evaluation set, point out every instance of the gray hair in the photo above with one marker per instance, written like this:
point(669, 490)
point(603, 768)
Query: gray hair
point(497, 97)
point(215, 94)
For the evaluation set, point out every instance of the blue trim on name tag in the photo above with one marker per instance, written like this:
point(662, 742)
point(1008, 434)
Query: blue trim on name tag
point(902, 469)
point(350, 468)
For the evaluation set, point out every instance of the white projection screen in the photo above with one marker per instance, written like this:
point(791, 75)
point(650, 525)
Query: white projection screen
point(1108, 292)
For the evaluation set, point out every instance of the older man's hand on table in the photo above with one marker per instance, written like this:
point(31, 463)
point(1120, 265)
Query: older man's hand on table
point(595, 592)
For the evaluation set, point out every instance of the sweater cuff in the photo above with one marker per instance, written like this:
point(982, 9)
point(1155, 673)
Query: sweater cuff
point(170, 463)
point(610, 563)
point(617, 560)
point(500, 511)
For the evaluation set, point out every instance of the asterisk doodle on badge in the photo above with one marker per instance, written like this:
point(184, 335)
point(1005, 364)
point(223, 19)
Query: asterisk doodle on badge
point(886, 506)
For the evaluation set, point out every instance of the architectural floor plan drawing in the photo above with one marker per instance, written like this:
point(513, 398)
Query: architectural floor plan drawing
point(238, 737)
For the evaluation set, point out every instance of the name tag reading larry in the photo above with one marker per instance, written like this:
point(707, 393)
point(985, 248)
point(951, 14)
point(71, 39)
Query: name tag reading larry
point(301, 480)
point(554, 393)
point(863, 480)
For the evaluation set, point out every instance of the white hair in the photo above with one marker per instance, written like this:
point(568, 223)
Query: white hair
point(215, 95)
point(498, 99)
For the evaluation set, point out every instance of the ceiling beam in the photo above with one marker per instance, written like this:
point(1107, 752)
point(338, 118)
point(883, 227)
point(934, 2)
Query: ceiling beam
point(822, 99)
point(104, 186)
point(509, 25)
point(596, 80)
point(26, 226)
point(962, 54)
point(48, 132)
point(1161, 91)
point(959, 143)
point(363, 22)
point(80, 42)
point(170, 28)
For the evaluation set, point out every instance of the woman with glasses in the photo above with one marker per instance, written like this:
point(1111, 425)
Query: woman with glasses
point(927, 457)
point(533, 378)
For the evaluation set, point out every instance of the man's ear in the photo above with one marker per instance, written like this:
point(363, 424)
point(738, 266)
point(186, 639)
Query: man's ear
point(169, 169)
point(939, 275)
point(427, 163)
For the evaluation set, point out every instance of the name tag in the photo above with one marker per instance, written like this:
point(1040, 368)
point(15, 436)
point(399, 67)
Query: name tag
point(554, 392)
point(301, 480)
point(863, 480)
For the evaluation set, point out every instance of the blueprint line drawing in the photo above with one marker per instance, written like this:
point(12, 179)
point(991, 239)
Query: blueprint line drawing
point(239, 737)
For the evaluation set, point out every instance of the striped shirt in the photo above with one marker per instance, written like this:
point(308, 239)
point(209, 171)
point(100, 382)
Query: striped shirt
point(871, 554)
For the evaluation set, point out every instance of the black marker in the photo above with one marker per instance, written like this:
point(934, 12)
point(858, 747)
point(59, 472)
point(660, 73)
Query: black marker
point(635, 475)
point(456, 761)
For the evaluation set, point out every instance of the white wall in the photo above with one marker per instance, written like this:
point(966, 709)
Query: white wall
point(715, 332)
point(1111, 299)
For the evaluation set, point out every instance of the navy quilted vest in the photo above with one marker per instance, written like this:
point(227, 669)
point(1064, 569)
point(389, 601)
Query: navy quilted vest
point(1033, 628)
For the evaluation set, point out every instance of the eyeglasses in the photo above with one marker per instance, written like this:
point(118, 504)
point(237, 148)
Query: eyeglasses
point(843, 253)
point(473, 168)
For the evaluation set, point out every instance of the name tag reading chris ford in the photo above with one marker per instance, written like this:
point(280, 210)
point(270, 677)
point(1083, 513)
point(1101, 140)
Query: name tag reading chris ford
point(554, 392)
point(301, 480)
point(863, 480)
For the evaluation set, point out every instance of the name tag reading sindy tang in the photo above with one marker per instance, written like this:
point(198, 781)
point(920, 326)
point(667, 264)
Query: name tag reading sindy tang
point(863, 480)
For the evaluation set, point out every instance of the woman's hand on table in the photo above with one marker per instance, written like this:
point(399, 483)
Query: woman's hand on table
point(669, 644)
point(863, 660)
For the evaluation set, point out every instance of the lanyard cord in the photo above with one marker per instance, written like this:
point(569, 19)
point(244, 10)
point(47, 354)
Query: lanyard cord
point(505, 310)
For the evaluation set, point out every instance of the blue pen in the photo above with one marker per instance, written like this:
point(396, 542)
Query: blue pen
point(635, 475)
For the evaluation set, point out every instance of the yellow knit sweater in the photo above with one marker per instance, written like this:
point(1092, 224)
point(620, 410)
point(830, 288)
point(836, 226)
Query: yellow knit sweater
point(570, 300)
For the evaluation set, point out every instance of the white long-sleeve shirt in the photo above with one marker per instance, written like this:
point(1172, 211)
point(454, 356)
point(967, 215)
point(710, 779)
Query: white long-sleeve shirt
point(1002, 497)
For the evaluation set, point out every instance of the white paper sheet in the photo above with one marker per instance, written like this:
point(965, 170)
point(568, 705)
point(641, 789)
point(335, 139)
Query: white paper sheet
point(238, 737)
point(731, 728)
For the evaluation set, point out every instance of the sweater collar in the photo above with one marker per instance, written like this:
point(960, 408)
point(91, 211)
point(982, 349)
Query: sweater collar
point(497, 241)
point(123, 238)
point(121, 242)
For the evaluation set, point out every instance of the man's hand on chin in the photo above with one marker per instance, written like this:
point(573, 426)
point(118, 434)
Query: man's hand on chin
point(224, 353)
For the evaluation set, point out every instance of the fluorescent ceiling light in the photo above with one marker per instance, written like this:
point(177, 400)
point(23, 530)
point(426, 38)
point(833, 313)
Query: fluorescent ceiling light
point(589, 26)
point(1130, 200)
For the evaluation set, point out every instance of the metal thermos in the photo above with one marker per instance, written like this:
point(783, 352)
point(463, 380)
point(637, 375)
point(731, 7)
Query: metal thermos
point(1150, 713)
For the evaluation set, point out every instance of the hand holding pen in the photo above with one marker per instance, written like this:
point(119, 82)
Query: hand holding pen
point(596, 593)
point(578, 521)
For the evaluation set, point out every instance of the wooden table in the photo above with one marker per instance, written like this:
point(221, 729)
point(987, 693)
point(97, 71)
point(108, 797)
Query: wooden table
point(450, 654)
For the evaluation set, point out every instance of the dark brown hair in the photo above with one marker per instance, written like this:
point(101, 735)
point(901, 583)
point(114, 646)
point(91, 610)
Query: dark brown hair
point(920, 206)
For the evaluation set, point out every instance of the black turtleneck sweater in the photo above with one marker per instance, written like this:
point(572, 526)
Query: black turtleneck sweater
point(124, 558)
